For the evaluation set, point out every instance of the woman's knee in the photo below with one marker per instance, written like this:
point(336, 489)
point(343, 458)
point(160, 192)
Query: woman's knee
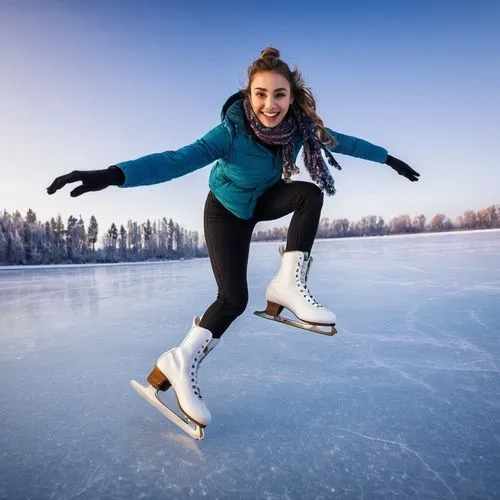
point(234, 305)
point(312, 194)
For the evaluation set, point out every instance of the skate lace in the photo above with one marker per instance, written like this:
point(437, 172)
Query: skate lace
point(200, 355)
point(301, 275)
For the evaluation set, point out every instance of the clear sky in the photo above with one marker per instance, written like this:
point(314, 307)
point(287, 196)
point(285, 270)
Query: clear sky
point(85, 84)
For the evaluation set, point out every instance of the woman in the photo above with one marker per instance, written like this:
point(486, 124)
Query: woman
point(255, 149)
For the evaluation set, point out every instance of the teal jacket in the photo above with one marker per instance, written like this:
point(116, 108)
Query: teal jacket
point(243, 169)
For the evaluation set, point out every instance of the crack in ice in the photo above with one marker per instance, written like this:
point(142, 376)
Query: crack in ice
point(404, 447)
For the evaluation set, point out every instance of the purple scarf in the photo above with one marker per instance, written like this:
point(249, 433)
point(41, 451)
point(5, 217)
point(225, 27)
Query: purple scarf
point(283, 135)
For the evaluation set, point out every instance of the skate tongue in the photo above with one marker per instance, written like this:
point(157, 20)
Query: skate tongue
point(213, 344)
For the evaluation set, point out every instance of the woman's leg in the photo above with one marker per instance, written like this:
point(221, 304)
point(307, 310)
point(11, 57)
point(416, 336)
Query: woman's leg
point(305, 200)
point(228, 241)
point(289, 288)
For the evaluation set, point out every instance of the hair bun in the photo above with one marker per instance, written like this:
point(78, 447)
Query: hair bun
point(269, 52)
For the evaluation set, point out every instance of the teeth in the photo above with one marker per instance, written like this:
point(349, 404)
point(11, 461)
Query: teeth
point(271, 114)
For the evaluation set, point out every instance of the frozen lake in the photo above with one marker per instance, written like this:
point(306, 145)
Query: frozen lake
point(403, 403)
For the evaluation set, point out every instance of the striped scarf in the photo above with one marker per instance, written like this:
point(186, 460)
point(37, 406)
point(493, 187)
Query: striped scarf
point(283, 134)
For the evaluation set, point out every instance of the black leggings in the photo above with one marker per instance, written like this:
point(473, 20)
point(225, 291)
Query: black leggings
point(228, 241)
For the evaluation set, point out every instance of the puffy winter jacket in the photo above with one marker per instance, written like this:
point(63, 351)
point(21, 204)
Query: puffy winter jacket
point(244, 168)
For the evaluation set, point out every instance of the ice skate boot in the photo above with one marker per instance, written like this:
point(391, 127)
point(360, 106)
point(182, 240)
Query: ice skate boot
point(288, 289)
point(178, 368)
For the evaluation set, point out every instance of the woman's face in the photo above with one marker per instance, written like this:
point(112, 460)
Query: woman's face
point(270, 96)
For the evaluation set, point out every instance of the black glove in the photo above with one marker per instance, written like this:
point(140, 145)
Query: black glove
point(92, 180)
point(402, 168)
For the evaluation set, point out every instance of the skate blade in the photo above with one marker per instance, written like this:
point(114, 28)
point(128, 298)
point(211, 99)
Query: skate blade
point(150, 394)
point(322, 329)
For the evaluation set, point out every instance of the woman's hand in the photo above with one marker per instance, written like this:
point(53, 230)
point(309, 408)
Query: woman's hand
point(92, 180)
point(402, 168)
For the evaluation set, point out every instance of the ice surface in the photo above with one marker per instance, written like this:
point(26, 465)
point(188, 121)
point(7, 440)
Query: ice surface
point(403, 402)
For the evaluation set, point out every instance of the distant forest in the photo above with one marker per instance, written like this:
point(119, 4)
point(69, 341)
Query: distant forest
point(26, 240)
point(372, 225)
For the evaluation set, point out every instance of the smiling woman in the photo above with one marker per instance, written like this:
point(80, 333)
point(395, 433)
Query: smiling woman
point(278, 105)
point(270, 100)
point(254, 149)
point(270, 82)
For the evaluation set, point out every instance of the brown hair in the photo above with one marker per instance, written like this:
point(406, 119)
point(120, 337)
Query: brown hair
point(269, 60)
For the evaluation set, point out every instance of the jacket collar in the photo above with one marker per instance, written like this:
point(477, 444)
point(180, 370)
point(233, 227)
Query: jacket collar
point(233, 109)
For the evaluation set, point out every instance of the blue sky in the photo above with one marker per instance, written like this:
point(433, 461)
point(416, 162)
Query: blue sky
point(84, 85)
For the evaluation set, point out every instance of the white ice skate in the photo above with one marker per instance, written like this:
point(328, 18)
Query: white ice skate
point(288, 289)
point(178, 368)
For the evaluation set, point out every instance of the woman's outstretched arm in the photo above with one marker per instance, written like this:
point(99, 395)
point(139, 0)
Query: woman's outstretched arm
point(359, 148)
point(162, 167)
point(150, 169)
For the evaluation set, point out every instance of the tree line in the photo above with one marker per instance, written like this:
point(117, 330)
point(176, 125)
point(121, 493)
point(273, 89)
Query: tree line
point(373, 225)
point(26, 240)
